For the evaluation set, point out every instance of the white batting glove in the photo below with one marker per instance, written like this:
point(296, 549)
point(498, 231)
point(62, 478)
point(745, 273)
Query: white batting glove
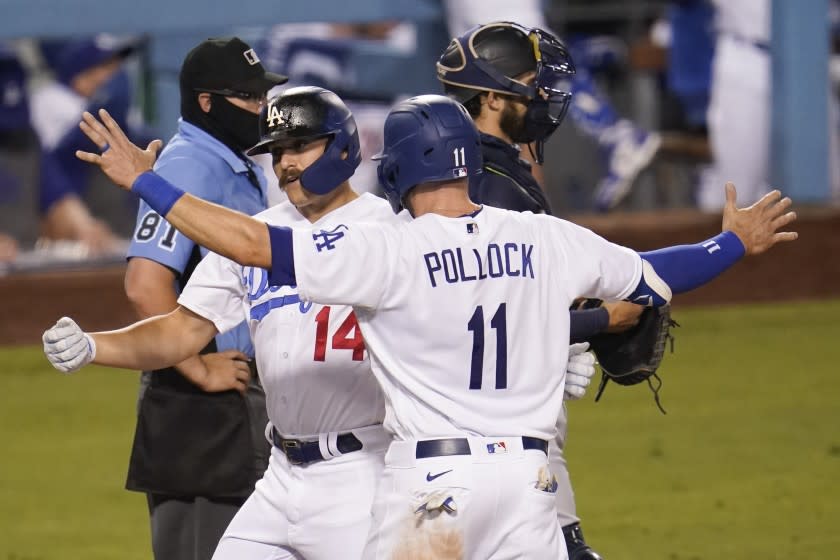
point(67, 347)
point(579, 371)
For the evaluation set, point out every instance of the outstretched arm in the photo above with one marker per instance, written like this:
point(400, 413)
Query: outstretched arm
point(224, 231)
point(154, 343)
point(249, 242)
point(746, 231)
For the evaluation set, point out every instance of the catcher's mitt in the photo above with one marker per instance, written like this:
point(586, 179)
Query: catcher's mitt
point(633, 356)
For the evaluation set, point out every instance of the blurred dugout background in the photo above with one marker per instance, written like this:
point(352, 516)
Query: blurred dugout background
point(649, 60)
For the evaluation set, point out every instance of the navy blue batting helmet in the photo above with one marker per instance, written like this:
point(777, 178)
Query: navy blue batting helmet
point(304, 114)
point(427, 138)
point(493, 56)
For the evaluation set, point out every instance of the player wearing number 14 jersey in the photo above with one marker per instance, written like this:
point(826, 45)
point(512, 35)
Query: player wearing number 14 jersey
point(321, 398)
point(324, 407)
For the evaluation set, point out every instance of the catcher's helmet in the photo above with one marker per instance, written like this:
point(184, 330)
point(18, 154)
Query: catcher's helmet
point(306, 114)
point(494, 57)
point(427, 138)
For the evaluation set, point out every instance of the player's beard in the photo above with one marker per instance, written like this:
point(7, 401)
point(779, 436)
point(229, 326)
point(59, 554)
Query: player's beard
point(512, 121)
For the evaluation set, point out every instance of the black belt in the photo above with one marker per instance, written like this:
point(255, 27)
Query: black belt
point(303, 452)
point(461, 446)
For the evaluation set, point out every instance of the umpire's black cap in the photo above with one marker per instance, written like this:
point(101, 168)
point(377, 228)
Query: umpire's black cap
point(226, 66)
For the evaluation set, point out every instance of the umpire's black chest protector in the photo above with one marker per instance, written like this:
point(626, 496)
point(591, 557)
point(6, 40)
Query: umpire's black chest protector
point(506, 181)
point(191, 443)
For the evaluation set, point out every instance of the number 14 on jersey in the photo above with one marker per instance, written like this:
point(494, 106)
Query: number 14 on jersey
point(348, 336)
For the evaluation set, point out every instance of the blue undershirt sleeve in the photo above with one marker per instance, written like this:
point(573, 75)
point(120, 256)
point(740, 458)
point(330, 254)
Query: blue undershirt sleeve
point(282, 271)
point(585, 323)
point(686, 267)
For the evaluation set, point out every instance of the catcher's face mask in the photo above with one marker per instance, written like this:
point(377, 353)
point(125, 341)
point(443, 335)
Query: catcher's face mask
point(547, 105)
point(493, 57)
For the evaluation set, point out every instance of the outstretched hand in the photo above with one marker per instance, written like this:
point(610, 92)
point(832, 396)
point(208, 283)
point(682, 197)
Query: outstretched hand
point(758, 226)
point(120, 160)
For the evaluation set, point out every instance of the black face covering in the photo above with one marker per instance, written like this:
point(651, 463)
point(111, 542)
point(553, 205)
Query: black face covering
point(240, 125)
point(237, 128)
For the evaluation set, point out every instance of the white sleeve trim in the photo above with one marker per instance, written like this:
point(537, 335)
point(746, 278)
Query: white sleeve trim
point(638, 271)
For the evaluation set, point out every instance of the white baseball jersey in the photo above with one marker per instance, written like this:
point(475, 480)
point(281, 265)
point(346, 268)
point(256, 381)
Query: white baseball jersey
point(747, 19)
point(311, 358)
point(464, 14)
point(466, 319)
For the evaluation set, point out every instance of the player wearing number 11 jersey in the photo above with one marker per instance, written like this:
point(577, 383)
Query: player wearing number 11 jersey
point(324, 405)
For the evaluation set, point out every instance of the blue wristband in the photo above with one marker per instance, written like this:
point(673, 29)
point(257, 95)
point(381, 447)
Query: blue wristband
point(158, 193)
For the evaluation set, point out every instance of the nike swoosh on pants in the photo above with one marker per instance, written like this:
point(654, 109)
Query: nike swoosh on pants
point(430, 477)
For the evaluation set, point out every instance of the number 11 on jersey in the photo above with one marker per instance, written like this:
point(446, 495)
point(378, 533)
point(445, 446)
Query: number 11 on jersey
point(476, 326)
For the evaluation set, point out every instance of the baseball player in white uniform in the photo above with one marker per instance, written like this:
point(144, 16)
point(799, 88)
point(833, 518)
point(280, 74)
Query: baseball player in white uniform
point(456, 307)
point(739, 109)
point(324, 405)
point(739, 115)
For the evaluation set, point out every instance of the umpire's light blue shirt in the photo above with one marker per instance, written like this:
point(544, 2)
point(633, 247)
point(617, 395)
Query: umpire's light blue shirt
point(204, 167)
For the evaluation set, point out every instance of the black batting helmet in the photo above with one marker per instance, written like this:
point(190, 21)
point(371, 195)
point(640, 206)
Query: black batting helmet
point(304, 114)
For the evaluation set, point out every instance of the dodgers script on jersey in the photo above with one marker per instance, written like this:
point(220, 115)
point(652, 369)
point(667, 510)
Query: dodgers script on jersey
point(466, 319)
point(301, 347)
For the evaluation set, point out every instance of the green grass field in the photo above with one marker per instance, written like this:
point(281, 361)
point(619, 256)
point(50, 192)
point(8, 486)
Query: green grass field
point(745, 465)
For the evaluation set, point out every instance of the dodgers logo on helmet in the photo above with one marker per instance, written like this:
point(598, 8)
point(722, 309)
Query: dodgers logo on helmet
point(274, 116)
point(428, 138)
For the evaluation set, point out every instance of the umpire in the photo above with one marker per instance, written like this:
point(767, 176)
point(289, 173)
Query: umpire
point(199, 446)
